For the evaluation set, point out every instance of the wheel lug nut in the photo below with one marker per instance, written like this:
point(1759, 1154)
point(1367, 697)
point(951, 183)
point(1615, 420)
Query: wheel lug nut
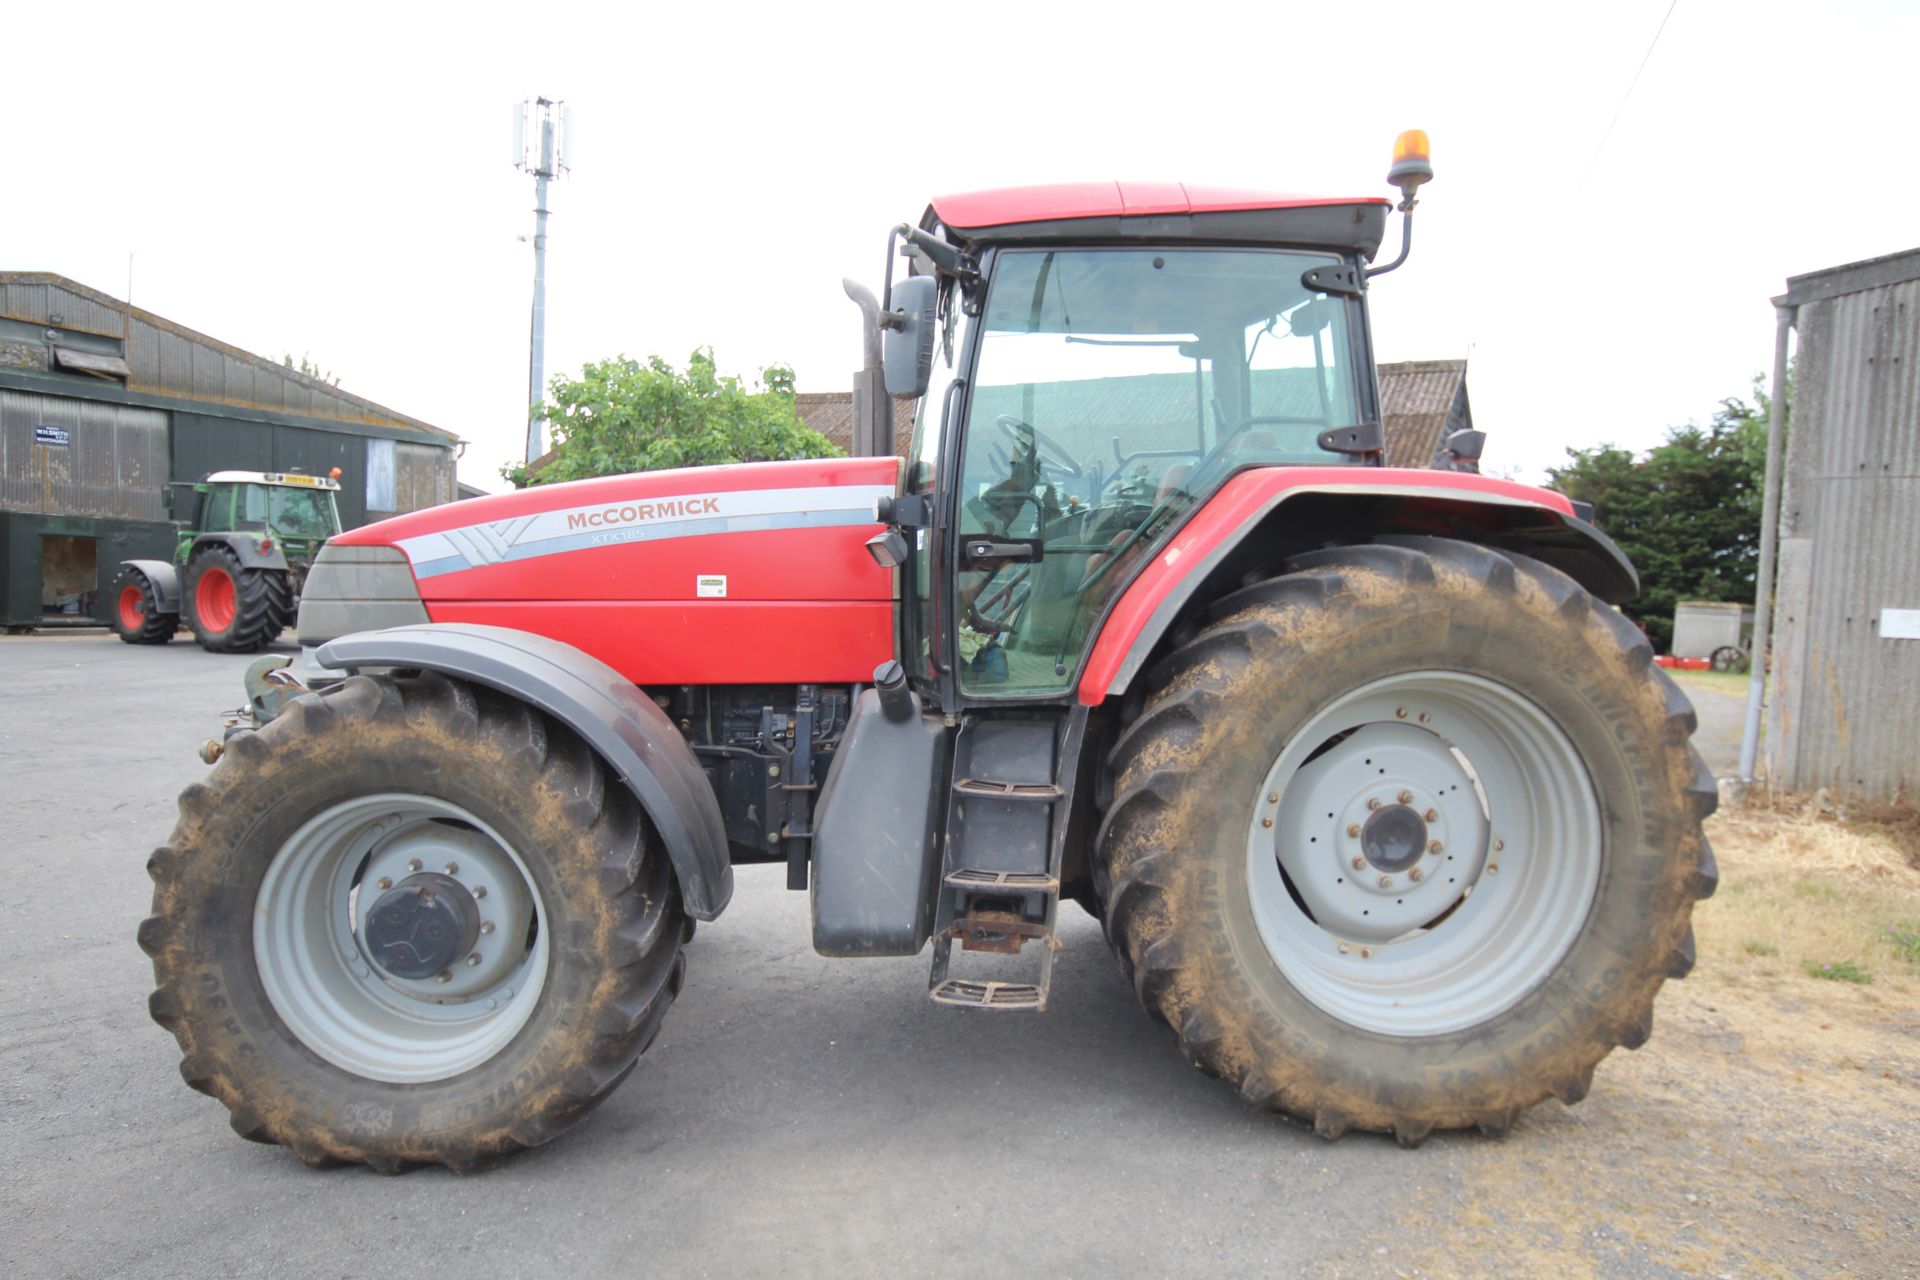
point(473, 960)
point(1266, 822)
point(1433, 846)
point(1400, 713)
point(1386, 882)
point(479, 891)
point(444, 976)
point(413, 864)
point(1431, 815)
point(1353, 829)
point(1498, 845)
point(384, 882)
point(1406, 797)
point(1359, 864)
point(487, 927)
point(453, 868)
point(1414, 874)
point(1493, 868)
point(1374, 803)
point(1273, 797)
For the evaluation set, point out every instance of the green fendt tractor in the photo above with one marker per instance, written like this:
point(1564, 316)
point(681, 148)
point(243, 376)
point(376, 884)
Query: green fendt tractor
point(247, 539)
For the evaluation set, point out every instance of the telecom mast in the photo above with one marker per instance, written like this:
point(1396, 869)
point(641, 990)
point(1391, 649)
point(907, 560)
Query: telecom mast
point(545, 152)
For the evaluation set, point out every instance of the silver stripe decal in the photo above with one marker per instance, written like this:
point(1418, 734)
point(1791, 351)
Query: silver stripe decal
point(624, 521)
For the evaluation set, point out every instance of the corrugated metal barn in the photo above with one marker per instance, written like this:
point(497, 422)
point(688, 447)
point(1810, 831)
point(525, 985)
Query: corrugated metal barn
point(103, 404)
point(1844, 706)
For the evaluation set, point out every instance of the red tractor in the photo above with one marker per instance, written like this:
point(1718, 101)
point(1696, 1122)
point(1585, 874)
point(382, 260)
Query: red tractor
point(1384, 808)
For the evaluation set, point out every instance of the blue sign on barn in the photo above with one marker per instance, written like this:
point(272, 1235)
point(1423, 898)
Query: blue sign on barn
point(51, 435)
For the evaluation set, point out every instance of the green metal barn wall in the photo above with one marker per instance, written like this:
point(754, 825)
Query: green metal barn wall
point(115, 540)
point(204, 444)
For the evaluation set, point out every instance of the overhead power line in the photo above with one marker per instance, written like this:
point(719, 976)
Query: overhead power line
point(1628, 95)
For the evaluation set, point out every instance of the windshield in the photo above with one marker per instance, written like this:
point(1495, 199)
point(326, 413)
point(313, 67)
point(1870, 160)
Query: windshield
point(1113, 391)
point(291, 513)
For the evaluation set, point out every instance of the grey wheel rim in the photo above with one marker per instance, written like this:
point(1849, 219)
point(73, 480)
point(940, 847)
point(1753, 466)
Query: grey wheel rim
point(318, 974)
point(1423, 853)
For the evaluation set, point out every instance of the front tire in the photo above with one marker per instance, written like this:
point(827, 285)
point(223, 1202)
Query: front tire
point(270, 968)
point(1270, 907)
point(135, 614)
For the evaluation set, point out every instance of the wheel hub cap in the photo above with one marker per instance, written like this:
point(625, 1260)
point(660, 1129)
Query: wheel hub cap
point(423, 925)
point(1394, 838)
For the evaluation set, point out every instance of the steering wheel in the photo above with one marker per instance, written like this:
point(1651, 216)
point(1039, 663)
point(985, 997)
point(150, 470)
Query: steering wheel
point(1055, 455)
point(996, 608)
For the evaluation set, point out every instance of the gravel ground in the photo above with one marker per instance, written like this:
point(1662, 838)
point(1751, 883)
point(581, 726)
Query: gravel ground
point(805, 1116)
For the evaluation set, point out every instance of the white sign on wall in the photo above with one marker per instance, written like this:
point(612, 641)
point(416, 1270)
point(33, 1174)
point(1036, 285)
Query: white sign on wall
point(1900, 624)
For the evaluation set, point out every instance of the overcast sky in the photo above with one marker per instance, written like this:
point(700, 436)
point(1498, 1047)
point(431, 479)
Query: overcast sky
point(335, 180)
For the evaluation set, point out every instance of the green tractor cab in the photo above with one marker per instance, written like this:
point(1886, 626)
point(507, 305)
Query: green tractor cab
point(246, 542)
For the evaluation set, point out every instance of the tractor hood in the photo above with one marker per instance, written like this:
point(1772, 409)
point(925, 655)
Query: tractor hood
point(737, 574)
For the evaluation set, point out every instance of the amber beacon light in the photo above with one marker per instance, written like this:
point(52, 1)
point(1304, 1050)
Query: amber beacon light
point(1412, 163)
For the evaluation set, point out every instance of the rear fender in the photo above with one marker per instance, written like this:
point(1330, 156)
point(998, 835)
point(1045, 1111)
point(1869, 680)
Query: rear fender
point(1261, 517)
point(164, 580)
point(246, 546)
point(622, 725)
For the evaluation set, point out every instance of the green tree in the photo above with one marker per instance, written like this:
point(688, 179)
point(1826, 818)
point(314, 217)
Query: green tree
point(621, 415)
point(310, 369)
point(1687, 512)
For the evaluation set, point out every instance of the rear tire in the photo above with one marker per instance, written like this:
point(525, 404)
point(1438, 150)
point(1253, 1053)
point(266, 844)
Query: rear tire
point(232, 609)
point(1315, 998)
point(135, 614)
point(261, 954)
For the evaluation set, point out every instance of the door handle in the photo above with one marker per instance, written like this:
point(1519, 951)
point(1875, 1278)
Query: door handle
point(988, 549)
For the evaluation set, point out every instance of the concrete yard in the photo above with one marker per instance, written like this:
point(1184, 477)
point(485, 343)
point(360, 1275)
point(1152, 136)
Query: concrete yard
point(800, 1116)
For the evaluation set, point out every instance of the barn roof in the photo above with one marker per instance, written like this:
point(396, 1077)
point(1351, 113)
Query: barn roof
point(53, 326)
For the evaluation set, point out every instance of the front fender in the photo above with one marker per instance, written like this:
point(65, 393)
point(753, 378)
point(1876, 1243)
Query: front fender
point(1268, 513)
point(624, 726)
point(164, 580)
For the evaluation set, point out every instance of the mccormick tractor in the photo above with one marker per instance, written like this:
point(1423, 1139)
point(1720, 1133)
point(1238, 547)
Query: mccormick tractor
point(247, 542)
point(1384, 808)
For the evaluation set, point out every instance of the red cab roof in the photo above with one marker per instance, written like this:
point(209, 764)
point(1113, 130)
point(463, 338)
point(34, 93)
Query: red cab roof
point(1070, 200)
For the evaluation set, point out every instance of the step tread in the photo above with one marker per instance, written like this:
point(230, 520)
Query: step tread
point(987, 788)
point(1022, 881)
point(989, 995)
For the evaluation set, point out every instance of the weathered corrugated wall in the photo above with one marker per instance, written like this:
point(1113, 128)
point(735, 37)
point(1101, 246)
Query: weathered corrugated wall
point(111, 459)
point(1844, 706)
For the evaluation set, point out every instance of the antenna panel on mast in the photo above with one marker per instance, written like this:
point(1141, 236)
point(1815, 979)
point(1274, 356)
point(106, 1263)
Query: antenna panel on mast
point(565, 155)
point(519, 135)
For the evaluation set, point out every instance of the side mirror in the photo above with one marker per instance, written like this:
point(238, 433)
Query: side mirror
point(1462, 450)
point(907, 342)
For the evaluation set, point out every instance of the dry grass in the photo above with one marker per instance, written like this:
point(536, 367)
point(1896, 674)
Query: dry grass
point(1772, 1125)
point(1815, 890)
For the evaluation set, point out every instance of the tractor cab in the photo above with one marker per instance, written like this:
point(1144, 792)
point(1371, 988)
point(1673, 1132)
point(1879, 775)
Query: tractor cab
point(297, 509)
point(1098, 361)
